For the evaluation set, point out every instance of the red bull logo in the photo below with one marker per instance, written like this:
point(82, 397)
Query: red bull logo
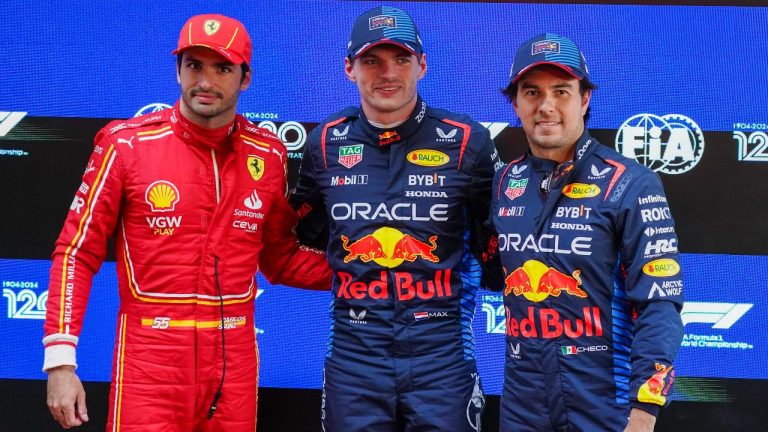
point(389, 248)
point(405, 286)
point(535, 281)
point(547, 323)
point(388, 137)
point(656, 388)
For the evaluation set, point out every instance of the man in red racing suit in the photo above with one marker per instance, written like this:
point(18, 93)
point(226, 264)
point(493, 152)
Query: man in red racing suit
point(192, 208)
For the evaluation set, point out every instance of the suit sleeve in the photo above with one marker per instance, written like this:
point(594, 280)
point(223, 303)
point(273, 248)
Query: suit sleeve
point(80, 250)
point(307, 200)
point(483, 235)
point(284, 260)
point(654, 284)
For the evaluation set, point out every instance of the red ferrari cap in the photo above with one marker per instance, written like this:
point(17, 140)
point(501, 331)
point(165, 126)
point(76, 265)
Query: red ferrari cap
point(223, 34)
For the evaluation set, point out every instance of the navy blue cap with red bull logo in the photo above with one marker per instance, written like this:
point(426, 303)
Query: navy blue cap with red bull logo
point(549, 49)
point(383, 25)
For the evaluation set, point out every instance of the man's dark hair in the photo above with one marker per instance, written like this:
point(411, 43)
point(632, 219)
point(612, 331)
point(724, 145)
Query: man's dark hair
point(510, 93)
point(244, 67)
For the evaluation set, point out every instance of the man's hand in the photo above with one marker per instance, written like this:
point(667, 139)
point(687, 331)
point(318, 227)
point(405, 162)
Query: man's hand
point(640, 421)
point(66, 397)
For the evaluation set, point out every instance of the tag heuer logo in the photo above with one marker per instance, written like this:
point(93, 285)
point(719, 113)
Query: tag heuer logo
point(350, 156)
point(516, 188)
point(255, 166)
point(211, 27)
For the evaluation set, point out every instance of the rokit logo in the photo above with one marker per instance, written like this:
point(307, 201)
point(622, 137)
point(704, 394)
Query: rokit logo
point(670, 144)
point(655, 214)
point(753, 147)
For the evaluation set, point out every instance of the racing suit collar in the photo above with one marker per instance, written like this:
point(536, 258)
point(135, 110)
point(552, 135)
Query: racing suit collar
point(560, 173)
point(191, 133)
point(400, 132)
point(555, 176)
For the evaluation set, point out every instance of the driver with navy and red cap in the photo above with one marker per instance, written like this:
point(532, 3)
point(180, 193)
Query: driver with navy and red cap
point(398, 192)
point(593, 285)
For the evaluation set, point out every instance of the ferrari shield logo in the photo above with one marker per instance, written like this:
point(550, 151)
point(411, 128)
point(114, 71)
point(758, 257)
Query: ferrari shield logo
point(211, 27)
point(255, 166)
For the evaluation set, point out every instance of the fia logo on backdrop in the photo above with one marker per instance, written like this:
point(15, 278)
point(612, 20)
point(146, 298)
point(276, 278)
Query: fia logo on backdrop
point(669, 144)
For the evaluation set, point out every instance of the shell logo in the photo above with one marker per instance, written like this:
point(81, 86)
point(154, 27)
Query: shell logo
point(428, 158)
point(162, 196)
point(581, 190)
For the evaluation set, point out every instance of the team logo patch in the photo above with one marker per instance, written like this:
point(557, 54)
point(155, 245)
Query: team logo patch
point(516, 188)
point(255, 166)
point(655, 389)
point(388, 137)
point(162, 196)
point(545, 46)
point(429, 158)
point(211, 27)
point(253, 201)
point(350, 156)
point(381, 21)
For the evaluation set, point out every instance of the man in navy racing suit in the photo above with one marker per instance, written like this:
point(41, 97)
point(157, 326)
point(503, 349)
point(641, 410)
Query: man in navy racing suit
point(593, 287)
point(405, 189)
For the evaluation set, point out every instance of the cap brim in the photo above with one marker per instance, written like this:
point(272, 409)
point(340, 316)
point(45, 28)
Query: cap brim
point(357, 52)
point(229, 55)
point(565, 68)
